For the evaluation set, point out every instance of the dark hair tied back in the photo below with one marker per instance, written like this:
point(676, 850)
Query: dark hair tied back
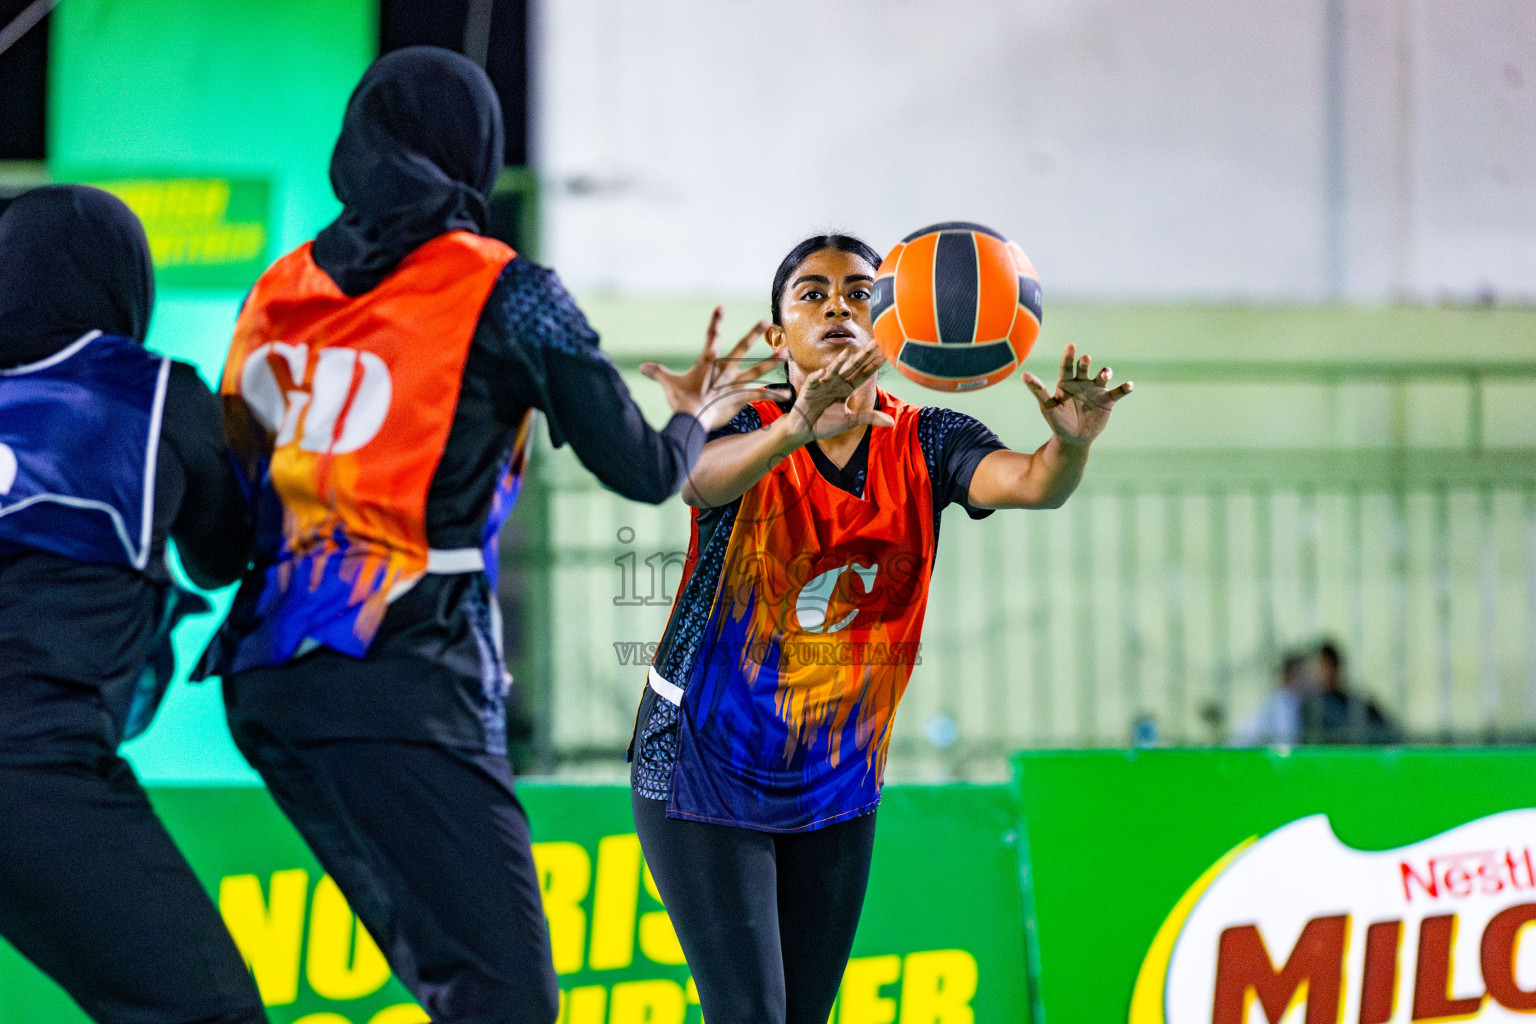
point(800, 253)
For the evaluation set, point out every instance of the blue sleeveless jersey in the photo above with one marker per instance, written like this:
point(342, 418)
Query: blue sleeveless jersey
point(79, 434)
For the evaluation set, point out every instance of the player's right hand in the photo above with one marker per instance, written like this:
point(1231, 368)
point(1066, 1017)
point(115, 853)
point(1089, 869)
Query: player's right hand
point(821, 408)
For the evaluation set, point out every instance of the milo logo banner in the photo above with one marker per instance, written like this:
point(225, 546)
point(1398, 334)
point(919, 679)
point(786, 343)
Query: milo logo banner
point(1319, 887)
point(1303, 926)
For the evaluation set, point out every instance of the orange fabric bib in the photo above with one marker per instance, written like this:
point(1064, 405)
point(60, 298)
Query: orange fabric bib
point(814, 632)
point(359, 396)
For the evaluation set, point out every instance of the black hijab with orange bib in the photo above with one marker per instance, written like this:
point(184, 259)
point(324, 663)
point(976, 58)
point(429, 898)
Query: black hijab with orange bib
point(419, 151)
point(351, 351)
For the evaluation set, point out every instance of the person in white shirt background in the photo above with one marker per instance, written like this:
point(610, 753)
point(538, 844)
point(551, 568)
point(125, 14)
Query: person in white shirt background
point(1279, 720)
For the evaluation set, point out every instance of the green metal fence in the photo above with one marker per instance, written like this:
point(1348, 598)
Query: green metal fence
point(1242, 509)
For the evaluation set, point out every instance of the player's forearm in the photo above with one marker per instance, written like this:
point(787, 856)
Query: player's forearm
point(731, 465)
point(1043, 479)
point(1055, 472)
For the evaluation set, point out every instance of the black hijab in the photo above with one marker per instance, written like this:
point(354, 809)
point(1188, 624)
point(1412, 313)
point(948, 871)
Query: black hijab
point(420, 148)
point(72, 259)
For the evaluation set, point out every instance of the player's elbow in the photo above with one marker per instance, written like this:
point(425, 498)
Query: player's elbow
point(1042, 495)
point(1021, 492)
point(1025, 496)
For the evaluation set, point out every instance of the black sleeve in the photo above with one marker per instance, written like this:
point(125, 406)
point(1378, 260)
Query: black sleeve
point(744, 422)
point(953, 445)
point(709, 517)
point(550, 360)
point(212, 525)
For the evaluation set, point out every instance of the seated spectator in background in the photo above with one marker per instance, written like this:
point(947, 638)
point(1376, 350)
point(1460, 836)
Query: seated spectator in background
point(1331, 714)
point(1279, 721)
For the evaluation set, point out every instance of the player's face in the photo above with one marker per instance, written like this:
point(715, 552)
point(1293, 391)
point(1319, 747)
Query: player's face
point(824, 309)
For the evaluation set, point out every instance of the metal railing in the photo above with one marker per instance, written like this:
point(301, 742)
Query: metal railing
point(1163, 593)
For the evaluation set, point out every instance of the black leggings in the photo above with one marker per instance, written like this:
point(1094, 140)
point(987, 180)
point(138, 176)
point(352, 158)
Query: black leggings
point(94, 892)
point(766, 920)
point(431, 847)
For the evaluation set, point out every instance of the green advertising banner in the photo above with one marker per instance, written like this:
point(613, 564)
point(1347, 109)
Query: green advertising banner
point(204, 232)
point(941, 941)
point(1314, 886)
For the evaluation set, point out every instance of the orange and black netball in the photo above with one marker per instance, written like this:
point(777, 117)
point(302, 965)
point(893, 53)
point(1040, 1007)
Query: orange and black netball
point(956, 306)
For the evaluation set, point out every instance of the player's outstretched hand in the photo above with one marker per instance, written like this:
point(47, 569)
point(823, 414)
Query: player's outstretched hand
point(1079, 409)
point(821, 407)
point(713, 389)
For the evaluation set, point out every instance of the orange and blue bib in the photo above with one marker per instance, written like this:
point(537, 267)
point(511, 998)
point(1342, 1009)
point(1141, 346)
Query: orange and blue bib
point(788, 694)
point(358, 394)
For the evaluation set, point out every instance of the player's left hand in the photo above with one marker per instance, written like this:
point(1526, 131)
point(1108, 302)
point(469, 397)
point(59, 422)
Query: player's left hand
point(1079, 409)
point(714, 388)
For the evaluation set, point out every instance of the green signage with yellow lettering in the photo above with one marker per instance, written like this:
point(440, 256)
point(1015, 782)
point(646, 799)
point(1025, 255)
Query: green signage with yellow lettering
point(941, 941)
point(204, 232)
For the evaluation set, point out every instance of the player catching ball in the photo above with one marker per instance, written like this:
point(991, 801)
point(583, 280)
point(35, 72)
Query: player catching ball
point(761, 740)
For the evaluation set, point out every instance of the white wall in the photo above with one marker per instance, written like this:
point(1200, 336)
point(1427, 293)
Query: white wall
point(1136, 150)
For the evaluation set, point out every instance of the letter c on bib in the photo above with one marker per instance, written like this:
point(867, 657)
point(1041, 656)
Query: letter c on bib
point(815, 598)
